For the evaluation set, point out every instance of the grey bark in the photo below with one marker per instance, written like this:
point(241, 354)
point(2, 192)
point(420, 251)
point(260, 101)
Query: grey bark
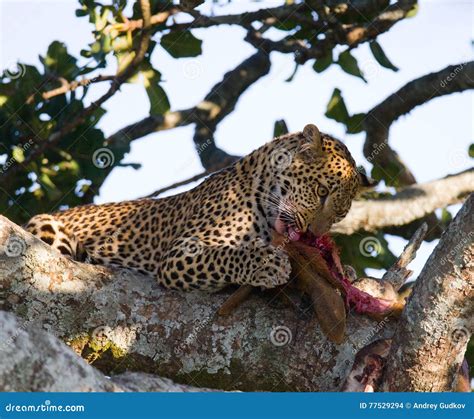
point(34, 360)
point(438, 320)
point(118, 320)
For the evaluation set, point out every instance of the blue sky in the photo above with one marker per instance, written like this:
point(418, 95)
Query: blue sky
point(432, 139)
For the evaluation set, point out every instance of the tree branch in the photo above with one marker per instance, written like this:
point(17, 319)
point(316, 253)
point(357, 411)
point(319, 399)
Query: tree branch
point(217, 104)
point(351, 35)
point(33, 360)
point(452, 79)
point(432, 335)
point(119, 320)
point(409, 204)
point(266, 16)
point(178, 184)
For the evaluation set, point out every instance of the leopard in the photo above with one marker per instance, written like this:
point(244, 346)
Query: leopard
point(220, 232)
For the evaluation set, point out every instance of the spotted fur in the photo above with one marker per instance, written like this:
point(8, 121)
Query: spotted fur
point(219, 232)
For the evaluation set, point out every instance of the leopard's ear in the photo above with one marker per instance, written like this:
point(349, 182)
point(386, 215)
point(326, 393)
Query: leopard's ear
point(314, 141)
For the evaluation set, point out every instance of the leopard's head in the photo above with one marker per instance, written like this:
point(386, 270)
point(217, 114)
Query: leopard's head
point(316, 188)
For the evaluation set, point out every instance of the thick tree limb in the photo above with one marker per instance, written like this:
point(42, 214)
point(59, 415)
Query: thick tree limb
point(34, 360)
point(432, 335)
point(206, 115)
point(119, 321)
point(452, 79)
point(221, 101)
point(410, 203)
point(351, 35)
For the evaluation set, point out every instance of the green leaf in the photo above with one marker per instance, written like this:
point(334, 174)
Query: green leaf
point(446, 217)
point(159, 103)
point(380, 56)
point(181, 44)
point(322, 63)
point(285, 25)
point(389, 173)
point(336, 108)
point(471, 151)
point(59, 62)
point(413, 11)
point(355, 123)
point(349, 64)
point(124, 59)
point(280, 128)
point(18, 154)
point(362, 251)
point(81, 12)
point(292, 75)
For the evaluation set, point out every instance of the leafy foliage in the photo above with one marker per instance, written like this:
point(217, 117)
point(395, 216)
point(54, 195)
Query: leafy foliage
point(181, 44)
point(337, 110)
point(380, 56)
point(362, 251)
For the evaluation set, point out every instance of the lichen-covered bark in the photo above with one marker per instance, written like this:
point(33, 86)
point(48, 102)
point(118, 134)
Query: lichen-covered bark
point(119, 321)
point(34, 360)
point(435, 327)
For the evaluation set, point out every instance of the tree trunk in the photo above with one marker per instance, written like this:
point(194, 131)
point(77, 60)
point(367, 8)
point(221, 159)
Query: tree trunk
point(432, 335)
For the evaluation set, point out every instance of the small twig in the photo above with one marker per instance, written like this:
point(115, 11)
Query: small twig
point(69, 87)
point(132, 25)
point(178, 184)
point(397, 274)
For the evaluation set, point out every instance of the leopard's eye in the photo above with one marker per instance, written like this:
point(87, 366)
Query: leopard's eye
point(322, 191)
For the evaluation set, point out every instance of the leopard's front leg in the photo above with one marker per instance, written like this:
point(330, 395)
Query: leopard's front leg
point(193, 264)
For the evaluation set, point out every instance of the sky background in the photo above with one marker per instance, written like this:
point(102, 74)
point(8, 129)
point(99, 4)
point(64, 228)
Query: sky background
point(432, 140)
